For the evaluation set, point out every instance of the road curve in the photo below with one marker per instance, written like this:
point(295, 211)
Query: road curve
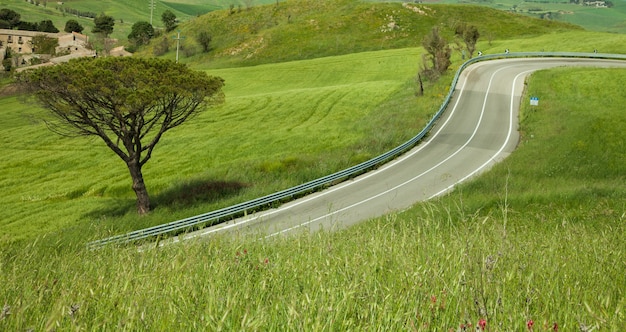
point(478, 129)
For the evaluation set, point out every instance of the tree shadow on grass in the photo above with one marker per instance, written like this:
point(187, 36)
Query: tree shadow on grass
point(196, 191)
point(118, 208)
point(180, 196)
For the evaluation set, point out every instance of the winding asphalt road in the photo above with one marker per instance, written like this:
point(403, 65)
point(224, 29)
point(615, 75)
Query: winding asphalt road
point(478, 129)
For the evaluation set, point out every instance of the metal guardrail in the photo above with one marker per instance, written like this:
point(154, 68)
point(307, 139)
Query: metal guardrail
point(261, 203)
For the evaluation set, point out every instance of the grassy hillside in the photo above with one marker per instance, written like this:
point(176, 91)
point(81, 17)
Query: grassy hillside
point(302, 29)
point(299, 122)
point(591, 18)
point(538, 241)
point(125, 12)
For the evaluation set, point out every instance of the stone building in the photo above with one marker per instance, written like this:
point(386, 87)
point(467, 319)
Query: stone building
point(20, 42)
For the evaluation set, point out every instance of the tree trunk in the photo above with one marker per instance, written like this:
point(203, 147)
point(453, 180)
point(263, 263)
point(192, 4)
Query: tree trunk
point(419, 76)
point(143, 200)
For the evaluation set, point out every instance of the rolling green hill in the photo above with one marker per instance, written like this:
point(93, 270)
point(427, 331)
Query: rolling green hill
point(535, 244)
point(297, 30)
point(125, 12)
point(128, 12)
point(612, 19)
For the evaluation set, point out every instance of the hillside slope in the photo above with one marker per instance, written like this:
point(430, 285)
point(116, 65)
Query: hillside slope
point(304, 29)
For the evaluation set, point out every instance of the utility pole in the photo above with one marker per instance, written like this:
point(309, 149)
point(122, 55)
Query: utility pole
point(151, 10)
point(178, 38)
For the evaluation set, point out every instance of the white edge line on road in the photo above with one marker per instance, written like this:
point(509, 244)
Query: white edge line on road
point(482, 112)
point(508, 137)
point(388, 166)
point(384, 167)
point(339, 186)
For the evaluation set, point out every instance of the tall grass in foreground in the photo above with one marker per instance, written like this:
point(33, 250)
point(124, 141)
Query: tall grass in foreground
point(527, 246)
point(397, 273)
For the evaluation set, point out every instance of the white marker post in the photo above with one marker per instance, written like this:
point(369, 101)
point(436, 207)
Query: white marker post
point(534, 101)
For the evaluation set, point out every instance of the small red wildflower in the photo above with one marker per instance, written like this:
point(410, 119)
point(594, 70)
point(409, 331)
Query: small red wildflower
point(266, 261)
point(530, 324)
point(555, 327)
point(482, 323)
point(433, 299)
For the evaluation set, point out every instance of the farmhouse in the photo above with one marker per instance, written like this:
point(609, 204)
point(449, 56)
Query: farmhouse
point(21, 46)
point(19, 41)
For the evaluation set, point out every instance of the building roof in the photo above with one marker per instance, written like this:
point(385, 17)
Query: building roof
point(26, 33)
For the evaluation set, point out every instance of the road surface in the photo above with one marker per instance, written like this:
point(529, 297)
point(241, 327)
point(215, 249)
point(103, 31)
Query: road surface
point(478, 129)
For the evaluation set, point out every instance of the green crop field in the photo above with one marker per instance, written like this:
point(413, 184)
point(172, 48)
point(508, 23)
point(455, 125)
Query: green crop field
point(540, 238)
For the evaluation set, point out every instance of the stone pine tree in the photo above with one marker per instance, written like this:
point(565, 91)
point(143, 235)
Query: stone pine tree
point(128, 102)
point(47, 26)
point(9, 18)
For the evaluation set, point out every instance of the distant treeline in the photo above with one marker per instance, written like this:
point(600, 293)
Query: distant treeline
point(76, 12)
point(65, 10)
point(10, 19)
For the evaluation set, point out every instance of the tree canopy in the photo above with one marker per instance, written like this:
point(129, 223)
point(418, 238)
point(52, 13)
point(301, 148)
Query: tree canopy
point(128, 102)
point(73, 26)
point(103, 24)
point(141, 33)
point(169, 20)
point(204, 39)
point(44, 45)
point(47, 26)
point(9, 18)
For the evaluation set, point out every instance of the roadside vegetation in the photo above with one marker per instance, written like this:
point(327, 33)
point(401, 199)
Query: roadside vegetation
point(535, 244)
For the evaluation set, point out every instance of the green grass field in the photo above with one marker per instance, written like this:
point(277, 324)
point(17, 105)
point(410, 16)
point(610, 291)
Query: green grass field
point(538, 238)
point(298, 121)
